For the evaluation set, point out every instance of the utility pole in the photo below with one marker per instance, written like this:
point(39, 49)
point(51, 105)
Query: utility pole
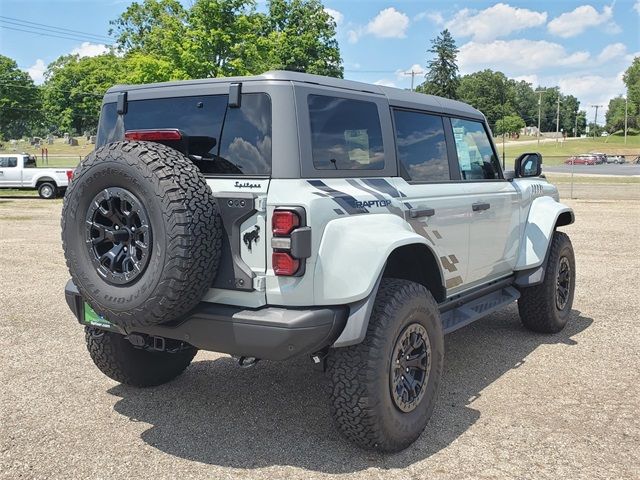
point(575, 129)
point(595, 120)
point(558, 118)
point(413, 76)
point(626, 116)
point(539, 92)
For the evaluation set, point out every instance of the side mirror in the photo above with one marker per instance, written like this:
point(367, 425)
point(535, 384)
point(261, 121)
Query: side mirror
point(528, 165)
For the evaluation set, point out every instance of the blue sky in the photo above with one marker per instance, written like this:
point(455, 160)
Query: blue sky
point(582, 46)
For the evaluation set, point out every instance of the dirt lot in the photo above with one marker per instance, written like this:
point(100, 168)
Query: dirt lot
point(513, 404)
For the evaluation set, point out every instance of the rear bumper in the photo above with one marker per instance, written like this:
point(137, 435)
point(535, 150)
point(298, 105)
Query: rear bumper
point(271, 333)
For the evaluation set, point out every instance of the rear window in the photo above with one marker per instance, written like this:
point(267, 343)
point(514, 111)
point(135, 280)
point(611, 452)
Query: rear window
point(8, 162)
point(220, 140)
point(345, 134)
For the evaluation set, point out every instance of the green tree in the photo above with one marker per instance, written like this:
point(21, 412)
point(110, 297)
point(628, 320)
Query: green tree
point(490, 92)
point(616, 113)
point(19, 101)
point(442, 76)
point(525, 101)
point(73, 90)
point(508, 125)
point(631, 80)
point(302, 37)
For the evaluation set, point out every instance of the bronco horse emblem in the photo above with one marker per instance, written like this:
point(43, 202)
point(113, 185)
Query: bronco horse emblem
point(251, 236)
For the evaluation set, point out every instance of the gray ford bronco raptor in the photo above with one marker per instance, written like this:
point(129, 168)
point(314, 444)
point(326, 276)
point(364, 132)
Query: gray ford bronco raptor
point(290, 214)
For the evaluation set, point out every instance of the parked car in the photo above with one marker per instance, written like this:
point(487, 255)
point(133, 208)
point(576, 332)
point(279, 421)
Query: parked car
point(289, 214)
point(615, 159)
point(582, 160)
point(19, 171)
point(600, 157)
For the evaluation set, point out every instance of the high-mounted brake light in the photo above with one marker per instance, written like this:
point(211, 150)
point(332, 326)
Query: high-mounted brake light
point(284, 264)
point(153, 135)
point(284, 221)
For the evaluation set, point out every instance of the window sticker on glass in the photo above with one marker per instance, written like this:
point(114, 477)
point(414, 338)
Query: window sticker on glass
point(464, 158)
point(357, 142)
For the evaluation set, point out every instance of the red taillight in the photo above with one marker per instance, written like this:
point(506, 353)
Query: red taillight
point(284, 221)
point(69, 175)
point(153, 135)
point(284, 263)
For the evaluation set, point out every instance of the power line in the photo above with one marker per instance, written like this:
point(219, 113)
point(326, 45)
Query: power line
point(53, 28)
point(34, 87)
point(43, 34)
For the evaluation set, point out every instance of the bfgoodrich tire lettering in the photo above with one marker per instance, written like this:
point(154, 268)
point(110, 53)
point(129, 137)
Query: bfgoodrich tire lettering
point(362, 402)
point(185, 224)
point(543, 308)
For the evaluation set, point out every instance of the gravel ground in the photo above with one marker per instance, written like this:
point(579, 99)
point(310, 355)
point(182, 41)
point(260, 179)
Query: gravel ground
point(512, 405)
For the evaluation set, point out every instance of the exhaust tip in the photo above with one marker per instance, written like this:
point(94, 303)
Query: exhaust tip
point(247, 362)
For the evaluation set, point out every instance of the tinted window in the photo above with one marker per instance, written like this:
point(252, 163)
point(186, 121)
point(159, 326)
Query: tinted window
point(8, 162)
point(476, 157)
point(243, 146)
point(422, 149)
point(107, 125)
point(246, 136)
point(345, 134)
point(30, 162)
point(200, 118)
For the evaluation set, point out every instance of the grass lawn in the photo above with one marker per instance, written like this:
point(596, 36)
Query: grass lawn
point(557, 153)
point(601, 180)
point(61, 154)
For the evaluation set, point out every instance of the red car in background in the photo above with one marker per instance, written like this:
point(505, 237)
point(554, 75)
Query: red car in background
point(582, 160)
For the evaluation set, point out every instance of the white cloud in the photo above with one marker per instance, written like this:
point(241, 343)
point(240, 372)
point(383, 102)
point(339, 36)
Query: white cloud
point(338, 17)
point(636, 6)
point(592, 90)
point(389, 23)
point(36, 71)
point(520, 56)
point(532, 79)
point(385, 82)
point(405, 74)
point(435, 17)
point(88, 49)
point(496, 21)
point(573, 23)
point(611, 52)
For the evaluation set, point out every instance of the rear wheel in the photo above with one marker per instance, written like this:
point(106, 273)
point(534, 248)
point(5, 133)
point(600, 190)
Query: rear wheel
point(119, 360)
point(545, 308)
point(47, 190)
point(384, 389)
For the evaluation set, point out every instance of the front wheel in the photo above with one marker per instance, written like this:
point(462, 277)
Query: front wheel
point(119, 360)
point(47, 190)
point(546, 307)
point(384, 389)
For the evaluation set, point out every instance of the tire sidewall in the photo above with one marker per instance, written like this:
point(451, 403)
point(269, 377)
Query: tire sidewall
point(405, 427)
point(564, 251)
point(43, 188)
point(103, 296)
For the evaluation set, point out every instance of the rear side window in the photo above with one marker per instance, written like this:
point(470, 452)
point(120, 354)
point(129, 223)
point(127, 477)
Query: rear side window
point(219, 139)
point(476, 157)
point(422, 148)
point(345, 134)
point(8, 162)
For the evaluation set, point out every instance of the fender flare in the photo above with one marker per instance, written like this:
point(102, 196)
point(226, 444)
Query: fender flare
point(351, 263)
point(545, 215)
point(44, 179)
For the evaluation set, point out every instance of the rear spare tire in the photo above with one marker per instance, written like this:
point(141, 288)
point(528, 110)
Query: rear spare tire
point(141, 233)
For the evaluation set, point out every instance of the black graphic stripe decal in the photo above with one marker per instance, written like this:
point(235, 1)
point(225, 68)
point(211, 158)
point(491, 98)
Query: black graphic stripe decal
point(392, 209)
point(382, 185)
point(347, 202)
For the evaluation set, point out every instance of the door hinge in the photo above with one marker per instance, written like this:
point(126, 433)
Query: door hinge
point(260, 203)
point(259, 283)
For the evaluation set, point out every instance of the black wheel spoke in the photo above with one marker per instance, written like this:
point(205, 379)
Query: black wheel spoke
point(416, 361)
point(118, 235)
point(410, 367)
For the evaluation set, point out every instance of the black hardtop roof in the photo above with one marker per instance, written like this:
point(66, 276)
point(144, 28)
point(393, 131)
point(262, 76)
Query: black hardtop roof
point(395, 96)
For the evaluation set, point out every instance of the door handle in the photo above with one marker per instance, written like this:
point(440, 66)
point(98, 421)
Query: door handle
point(421, 212)
point(477, 207)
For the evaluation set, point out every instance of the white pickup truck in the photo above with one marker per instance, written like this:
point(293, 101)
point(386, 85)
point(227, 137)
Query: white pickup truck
point(20, 171)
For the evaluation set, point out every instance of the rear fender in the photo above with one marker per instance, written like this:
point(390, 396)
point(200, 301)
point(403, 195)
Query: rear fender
point(353, 253)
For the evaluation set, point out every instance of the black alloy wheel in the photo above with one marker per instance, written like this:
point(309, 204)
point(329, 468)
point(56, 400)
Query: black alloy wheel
point(118, 235)
point(410, 367)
